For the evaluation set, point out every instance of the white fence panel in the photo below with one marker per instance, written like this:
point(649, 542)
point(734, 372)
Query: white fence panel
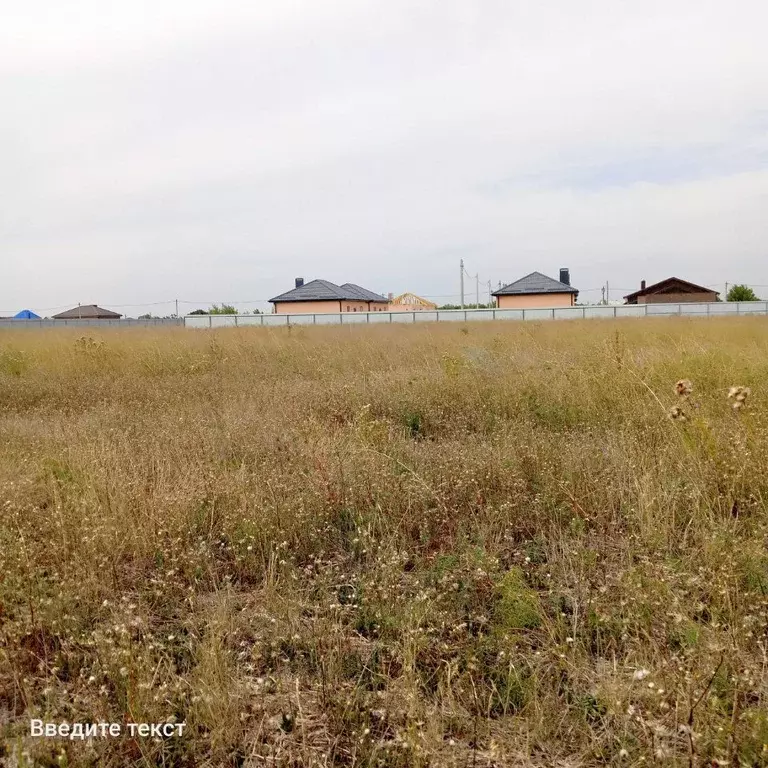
point(752, 307)
point(250, 319)
point(302, 319)
point(722, 308)
point(455, 315)
point(334, 319)
point(628, 310)
point(353, 318)
point(538, 314)
point(662, 309)
point(197, 321)
point(479, 314)
point(569, 313)
point(275, 319)
point(693, 309)
point(223, 321)
point(600, 312)
point(509, 314)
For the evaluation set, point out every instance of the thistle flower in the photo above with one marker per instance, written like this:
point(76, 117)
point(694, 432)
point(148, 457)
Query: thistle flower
point(676, 413)
point(739, 394)
point(684, 387)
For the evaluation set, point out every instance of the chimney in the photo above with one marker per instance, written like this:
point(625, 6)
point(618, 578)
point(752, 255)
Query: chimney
point(299, 282)
point(390, 296)
point(642, 285)
point(565, 276)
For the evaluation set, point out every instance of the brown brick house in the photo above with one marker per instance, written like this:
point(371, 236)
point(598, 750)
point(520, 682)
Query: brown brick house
point(673, 290)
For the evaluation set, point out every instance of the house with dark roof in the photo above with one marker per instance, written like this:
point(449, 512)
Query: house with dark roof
point(537, 291)
point(87, 312)
point(323, 297)
point(673, 290)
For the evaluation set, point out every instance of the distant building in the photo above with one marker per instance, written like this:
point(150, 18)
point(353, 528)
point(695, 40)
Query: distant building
point(410, 302)
point(324, 297)
point(26, 314)
point(87, 312)
point(537, 291)
point(673, 290)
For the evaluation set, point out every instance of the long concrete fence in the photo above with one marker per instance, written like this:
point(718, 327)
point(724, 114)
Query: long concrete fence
point(710, 309)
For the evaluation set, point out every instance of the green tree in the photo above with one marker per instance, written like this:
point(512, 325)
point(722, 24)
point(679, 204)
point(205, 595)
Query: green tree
point(741, 293)
point(224, 309)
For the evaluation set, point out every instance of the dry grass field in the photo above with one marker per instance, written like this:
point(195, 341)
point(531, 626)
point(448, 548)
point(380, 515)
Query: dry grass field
point(441, 545)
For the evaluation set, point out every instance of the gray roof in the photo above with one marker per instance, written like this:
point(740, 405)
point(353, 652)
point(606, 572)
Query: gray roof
point(535, 283)
point(363, 293)
point(86, 311)
point(325, 290)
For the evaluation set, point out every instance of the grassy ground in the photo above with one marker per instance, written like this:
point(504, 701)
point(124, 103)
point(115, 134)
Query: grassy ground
point(439, 545)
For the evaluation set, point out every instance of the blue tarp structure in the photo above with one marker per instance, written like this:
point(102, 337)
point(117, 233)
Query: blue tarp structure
point(26, 314)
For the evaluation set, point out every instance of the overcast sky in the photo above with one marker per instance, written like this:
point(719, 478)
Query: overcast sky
point(212, 150)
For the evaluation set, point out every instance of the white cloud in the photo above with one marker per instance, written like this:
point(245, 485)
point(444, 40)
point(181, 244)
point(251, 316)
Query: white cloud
point(221, 147)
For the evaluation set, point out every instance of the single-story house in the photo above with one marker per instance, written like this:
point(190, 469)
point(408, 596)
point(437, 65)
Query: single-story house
point(673, 290)
point(323, 297)
point(87, 312)
point(26, 314)
point(410, 302)
point(537, 291)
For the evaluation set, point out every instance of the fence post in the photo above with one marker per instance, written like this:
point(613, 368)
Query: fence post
point(493, 314)
point(236, 323)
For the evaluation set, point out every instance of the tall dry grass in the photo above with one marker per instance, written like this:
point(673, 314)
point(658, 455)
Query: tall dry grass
point(439, 545)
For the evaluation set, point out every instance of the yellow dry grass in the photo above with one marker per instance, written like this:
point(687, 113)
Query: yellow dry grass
point(439, 545)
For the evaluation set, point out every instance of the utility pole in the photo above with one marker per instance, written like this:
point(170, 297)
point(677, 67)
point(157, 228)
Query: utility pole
point(607, 293)
point(477, 291)
point(461, 268)
point(602, 291)
point(490, 298)
point(177, 307)
point(726, 292)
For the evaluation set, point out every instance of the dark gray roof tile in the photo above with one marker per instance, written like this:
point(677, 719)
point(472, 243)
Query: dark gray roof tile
point(535, 283)
point(325, 290)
